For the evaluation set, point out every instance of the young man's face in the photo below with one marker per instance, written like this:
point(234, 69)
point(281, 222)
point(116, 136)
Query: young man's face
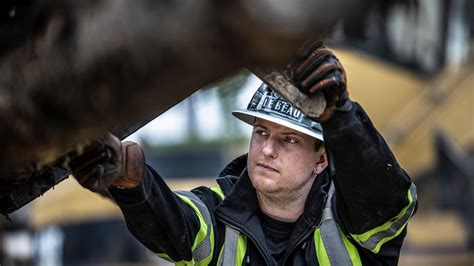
point(283, 161)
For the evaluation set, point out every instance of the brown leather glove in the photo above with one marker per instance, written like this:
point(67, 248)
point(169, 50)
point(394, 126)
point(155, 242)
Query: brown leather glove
point(109, 162)
point(319, 70)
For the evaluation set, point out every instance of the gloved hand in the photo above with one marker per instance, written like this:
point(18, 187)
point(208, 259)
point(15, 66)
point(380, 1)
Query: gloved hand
point(109, 162)
point(319, 70)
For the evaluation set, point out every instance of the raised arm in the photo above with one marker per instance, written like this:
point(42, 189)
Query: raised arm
point(177, 226)
point(374, 196)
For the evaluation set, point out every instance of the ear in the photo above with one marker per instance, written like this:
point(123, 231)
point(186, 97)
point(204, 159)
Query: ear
point(321, 164)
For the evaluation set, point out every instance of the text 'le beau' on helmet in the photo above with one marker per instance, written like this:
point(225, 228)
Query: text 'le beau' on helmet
point(268, 105)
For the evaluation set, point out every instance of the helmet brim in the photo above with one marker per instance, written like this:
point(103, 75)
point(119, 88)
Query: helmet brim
point(249, 118)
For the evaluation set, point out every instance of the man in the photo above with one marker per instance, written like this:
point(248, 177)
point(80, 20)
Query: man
point(289, 201)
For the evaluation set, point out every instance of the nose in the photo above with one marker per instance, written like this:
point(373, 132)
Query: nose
point(270, 149)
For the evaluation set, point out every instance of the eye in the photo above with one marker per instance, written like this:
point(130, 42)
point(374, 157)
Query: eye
point(290, 140)
point(261, 132)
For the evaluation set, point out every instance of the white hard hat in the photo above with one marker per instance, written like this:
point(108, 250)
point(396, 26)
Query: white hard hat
point(267, 104)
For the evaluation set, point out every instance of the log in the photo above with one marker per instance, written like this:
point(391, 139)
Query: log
point(77, 69)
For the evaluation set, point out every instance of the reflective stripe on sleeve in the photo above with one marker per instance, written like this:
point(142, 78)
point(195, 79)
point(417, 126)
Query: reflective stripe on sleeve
point(185, 263)
point(218, 191)
point(375, 238)
point(182, 263)
point(164, 256)
point(204, 241)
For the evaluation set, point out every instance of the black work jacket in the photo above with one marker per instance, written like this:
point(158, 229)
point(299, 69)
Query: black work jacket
point(373, 201)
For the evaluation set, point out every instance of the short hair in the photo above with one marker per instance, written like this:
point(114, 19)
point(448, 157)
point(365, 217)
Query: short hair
point(318, 144)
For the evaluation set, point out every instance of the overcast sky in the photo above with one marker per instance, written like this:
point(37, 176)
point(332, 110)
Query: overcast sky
point(171, 126)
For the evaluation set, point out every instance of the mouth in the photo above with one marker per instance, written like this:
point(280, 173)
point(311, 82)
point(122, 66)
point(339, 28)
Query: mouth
point(267, 167)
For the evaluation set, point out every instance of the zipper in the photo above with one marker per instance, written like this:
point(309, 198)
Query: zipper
point(297, 243)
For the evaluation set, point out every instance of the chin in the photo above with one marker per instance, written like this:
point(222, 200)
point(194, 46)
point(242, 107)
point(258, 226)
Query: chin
point(264, 184)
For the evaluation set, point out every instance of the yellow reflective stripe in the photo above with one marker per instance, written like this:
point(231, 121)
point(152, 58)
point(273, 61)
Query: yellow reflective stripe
point(375, 238)
point(202, 243)
point(164, 256)
point(201, 235)
point(351, 249)
point(239, 253)
point(220, 255)
point(185, 263)
point(321, 253)
point(235, 246)
point(218, 191)
point(241, 249)
point(208, 259)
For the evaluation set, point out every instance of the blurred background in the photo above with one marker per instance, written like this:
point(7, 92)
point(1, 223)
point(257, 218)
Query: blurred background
point(411, 66)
